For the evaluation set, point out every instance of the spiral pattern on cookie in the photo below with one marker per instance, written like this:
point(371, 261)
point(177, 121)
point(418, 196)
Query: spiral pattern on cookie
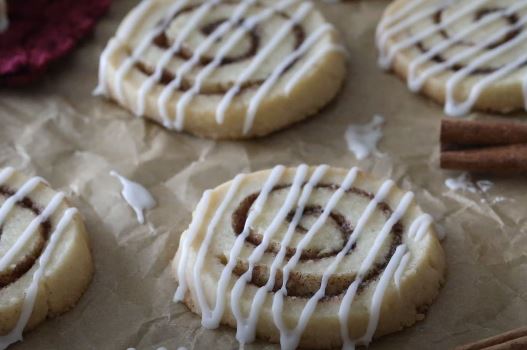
point(41, 238)
point(289, 253)
point(220, 68)
point(468, 54)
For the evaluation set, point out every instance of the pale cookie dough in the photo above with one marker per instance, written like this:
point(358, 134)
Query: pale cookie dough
point(223, 70)
point(286, 230)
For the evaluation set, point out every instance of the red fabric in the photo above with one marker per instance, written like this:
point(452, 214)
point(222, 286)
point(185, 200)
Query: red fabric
point(42, 31)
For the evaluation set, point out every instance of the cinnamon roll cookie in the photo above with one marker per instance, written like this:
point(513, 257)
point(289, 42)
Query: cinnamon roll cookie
point(223, 69)
point(291, 254)
point(45, 261)
point(467, 54)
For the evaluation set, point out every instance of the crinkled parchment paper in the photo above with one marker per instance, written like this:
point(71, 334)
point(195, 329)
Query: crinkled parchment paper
point(57, 130)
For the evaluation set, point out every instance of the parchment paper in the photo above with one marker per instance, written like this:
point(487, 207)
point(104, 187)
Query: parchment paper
point(57, 130)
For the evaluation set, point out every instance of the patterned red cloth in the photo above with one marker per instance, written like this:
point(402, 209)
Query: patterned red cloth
point(42, 31)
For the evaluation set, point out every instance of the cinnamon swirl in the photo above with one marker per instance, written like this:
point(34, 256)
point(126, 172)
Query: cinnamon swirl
point(45, 261)
point(289, 254)
point(467, 54)
point(223, 69)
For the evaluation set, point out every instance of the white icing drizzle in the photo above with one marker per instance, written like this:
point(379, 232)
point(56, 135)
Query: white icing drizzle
point(378, 295)
point(246, 328)
point(246, 25)
point(264, 89)
point(310, 63)
point(454, 108)
point(193, 22)
point(143, 45)
point(386, 59)
point(389, 20)
point(137, 197)
point(186, 241)
point(31, 293)
point(265, 52)
point(416, 80)
point(212, 319)
point(345, 306)
point(23, 191)
point(211, 39)
point(114, 44)
point(29, 300)
point(400, 270)
point(363, 139)
point(291, 338)
point(4, 20)
point(382, 38)
point(102, 89)
point(278, 261)
point(298, 195)
point(419, 227)
point(6, 173)
point(50, 209)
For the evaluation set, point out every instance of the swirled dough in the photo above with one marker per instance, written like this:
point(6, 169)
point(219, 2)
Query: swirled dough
point(223, 69)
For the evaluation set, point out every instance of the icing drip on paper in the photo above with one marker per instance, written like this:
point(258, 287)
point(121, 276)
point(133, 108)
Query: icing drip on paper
point(15, 334)
point(137, 197)
point(241, 25)
point(464, 183)
point(4, 20)
point(418, 74)
point(363, 139)
point(295, 202)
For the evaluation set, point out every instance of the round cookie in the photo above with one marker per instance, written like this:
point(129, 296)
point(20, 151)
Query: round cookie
point(467, 54)
point(36, 33)
point(45, 260)
point(289, 254)
point(223, 70)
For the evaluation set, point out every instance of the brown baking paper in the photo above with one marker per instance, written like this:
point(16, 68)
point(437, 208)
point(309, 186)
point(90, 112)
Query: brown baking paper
point(56, 129)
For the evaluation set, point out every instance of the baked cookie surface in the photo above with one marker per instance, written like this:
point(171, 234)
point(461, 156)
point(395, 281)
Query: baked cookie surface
point(467, 54)
point(289, 254)
point(45, 260)
point(223, 69)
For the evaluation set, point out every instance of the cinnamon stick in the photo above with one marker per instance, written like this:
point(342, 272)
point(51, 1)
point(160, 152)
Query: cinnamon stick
point(512, 340)
point(484, 146)
point(494, 159)
point(477, 132)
